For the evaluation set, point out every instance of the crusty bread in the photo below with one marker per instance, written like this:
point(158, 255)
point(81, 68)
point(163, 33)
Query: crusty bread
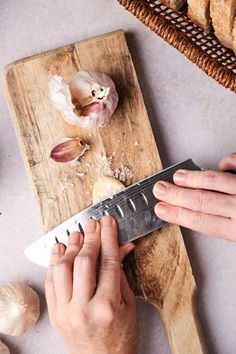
point(199, 12)
point(234, 36)
point(223, 14)
point(174, 4)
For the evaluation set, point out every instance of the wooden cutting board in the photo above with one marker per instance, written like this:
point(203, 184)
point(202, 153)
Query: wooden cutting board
point(159, 268)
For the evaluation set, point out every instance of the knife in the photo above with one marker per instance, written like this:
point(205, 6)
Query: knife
point(133, 209)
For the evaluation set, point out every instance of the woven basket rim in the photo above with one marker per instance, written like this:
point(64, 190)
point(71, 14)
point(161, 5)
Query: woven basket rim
point(160, 22)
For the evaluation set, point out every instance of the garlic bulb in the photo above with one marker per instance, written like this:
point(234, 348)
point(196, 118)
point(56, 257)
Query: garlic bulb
point(69, 150)
point(88, 99)
point(19, 308)
point(106, 187)
point(3, 348)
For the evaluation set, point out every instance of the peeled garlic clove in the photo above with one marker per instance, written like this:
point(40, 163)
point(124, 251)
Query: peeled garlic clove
point(68, 149)
point(19, 308)
point(106, 187)
point(3, 348)
point(76, 100)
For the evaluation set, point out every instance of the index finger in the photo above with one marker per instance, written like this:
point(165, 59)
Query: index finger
point(210, 180)
point(110, 271)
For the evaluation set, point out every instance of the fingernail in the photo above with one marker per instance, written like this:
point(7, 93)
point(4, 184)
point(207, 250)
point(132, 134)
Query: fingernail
point(160, 209)
point(160, 189)
point(107, 220)
point(74, 238)
point(57, 248)
point(91, 226)
point(180, 176)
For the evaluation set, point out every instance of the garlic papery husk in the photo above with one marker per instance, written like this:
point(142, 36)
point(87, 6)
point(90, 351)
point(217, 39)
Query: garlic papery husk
point(3, 348)
point(19, 308)
point(88, 99)
point(69, 150)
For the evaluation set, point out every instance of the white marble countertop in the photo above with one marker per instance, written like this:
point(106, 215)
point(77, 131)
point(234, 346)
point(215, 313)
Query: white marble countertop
point(191, 115)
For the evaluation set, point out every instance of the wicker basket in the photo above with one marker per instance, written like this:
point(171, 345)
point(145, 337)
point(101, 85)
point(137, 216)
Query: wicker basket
point(178, 30)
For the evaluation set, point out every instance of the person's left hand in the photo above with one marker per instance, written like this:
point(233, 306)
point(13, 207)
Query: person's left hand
point(194, 200)
point(89, 299)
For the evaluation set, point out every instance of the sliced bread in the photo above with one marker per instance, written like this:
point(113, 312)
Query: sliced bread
point(174, 4)
point(199, 12)
point(223, 14)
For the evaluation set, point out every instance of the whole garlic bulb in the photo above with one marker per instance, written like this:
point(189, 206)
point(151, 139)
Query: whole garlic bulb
point(19, 308)
point(89, 99)
point(3, 348)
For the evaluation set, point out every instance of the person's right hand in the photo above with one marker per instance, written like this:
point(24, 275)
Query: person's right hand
point(194, 200)
point(89, 299)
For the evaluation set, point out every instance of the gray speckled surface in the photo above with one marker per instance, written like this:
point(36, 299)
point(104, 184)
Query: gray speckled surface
point(192, 116)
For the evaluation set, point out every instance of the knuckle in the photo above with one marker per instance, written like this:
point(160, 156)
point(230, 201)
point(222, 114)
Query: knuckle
point(62, 265)
point(91, 244)
point(176, 195)
point(109, 263)
point(177, 215)
point(209, 178)
point(198, 220)
point(84, 260)
point(200, 201)
point(109, 313)
point(78, 318)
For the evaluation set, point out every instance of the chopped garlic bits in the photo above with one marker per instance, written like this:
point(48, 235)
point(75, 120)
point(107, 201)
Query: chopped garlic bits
point(88, 99)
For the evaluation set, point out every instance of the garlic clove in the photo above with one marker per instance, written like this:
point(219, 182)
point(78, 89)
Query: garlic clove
point(3, 348)
point(94, 107)
point(106, 187)
point(19, 308)
point(76, 100)
point(69, 150)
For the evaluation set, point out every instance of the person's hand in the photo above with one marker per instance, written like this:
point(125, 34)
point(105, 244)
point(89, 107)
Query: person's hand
point(89, 300)
point(194, 200)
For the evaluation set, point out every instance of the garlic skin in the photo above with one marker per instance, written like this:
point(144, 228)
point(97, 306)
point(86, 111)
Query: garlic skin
point(3, 348)
point(69, 150)
point(19, 308)
point(88, 99)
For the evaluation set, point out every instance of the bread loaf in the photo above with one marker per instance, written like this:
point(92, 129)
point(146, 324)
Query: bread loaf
point(199, 12)
point(234, 36)
point(174, 4)
point(223, 15)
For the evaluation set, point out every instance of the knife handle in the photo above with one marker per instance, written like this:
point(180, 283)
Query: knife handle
point(182, 326)
point(159, 271)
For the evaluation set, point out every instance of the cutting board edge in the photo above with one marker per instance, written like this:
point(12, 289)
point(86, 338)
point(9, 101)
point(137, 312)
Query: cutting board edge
point(9, 66)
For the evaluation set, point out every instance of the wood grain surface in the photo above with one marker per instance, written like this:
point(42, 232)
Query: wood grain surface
point(159, 269)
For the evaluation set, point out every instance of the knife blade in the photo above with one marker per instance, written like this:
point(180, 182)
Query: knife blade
point(133, 209)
